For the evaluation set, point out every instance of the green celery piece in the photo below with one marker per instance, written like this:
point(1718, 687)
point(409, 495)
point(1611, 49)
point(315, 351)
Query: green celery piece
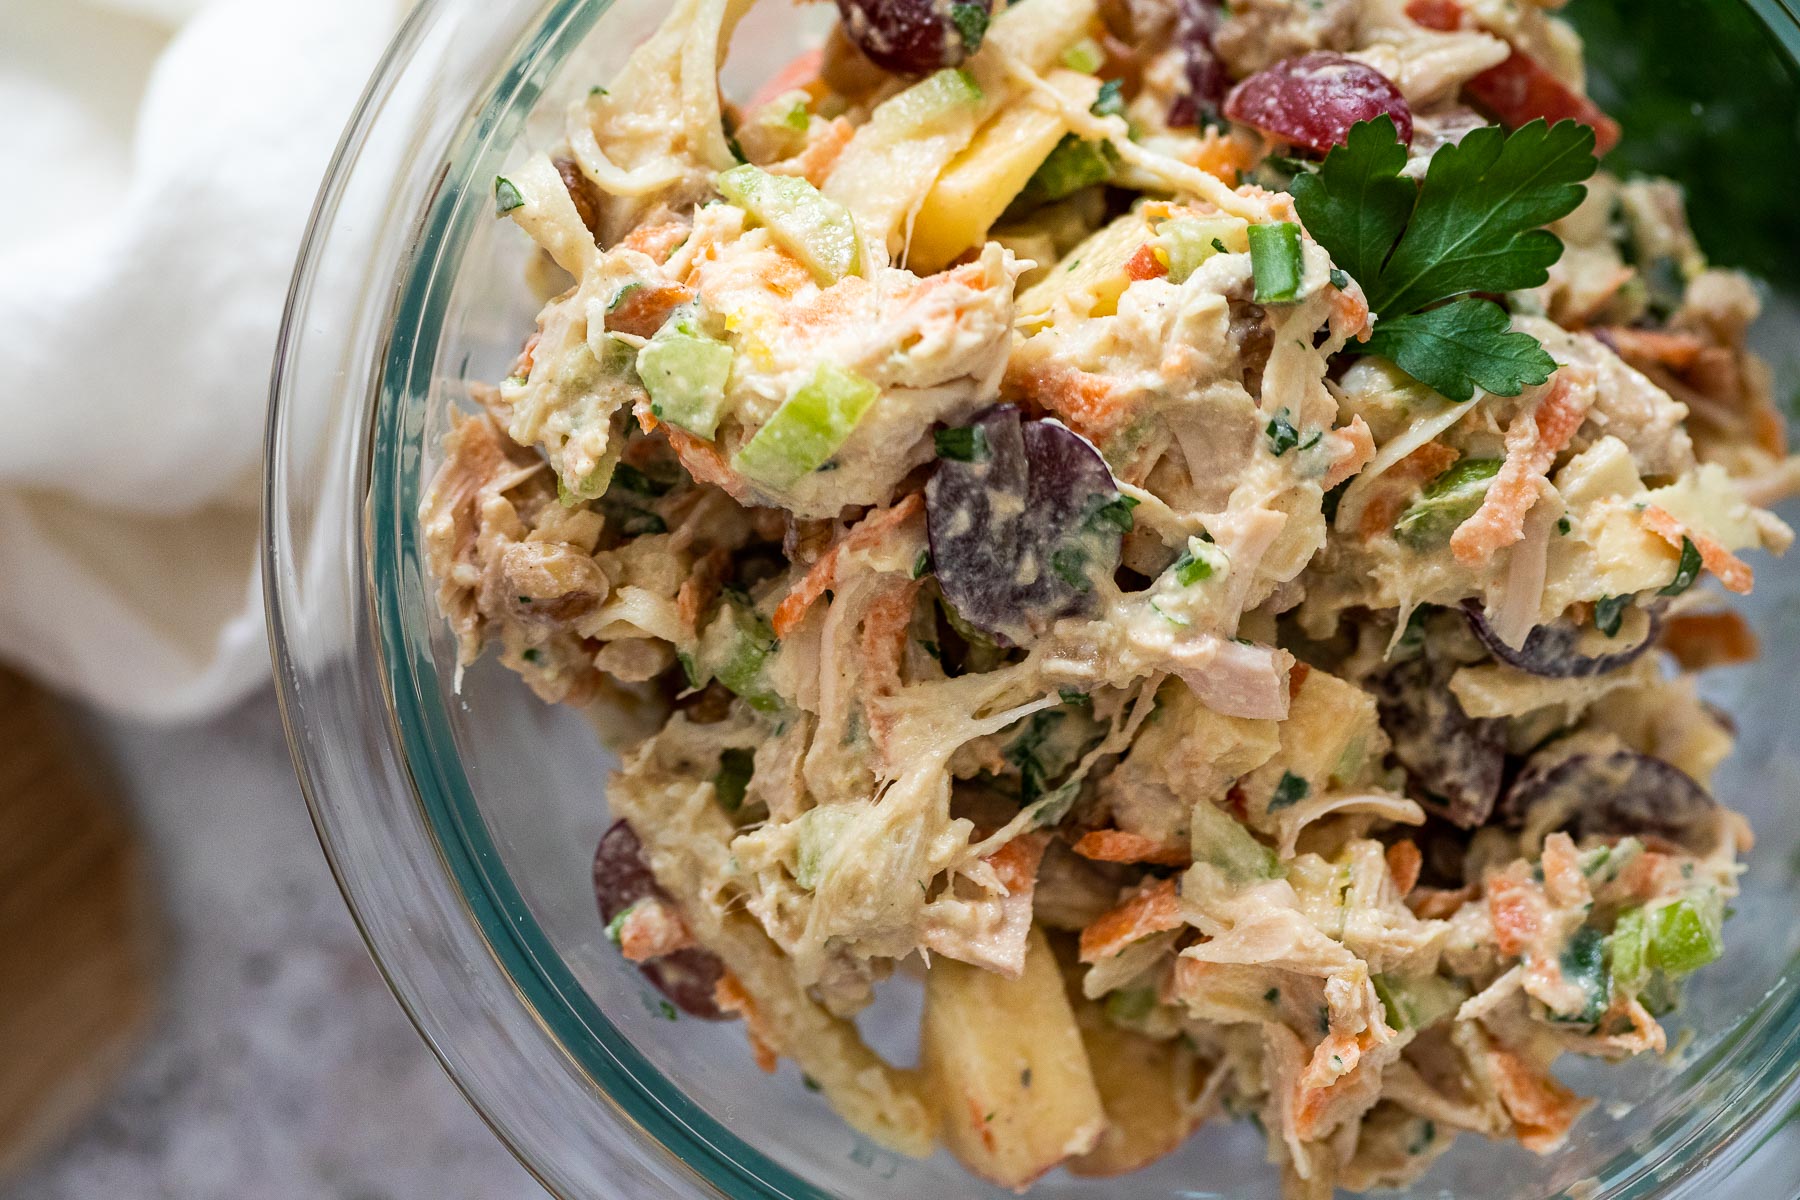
point(1074, 164)
point(736, 766)
point(685, 373)
point(1417, 1002)
point(1275, 261)
point(1218, 838)
point(808, 428)
point(1085, 56)
point(1630, 950)
point(820, 830)
point(1446, 502)
point(1190, 241)
point(1682, 937)
point(1129, 1006)
point(818, 231)
point(735, 648)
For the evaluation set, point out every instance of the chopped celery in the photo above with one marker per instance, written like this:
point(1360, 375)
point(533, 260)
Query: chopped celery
point(1184, 244)
point(1085, 56)
point(1630, 946)
point(1418, 1002)
point(820, 830)
point(1275, 261)
point(735, 649)
point(1446, 502)
point(1218, 839)
point(1073, 165)
point(1684, 936)
point(819, 232)
point(808, 428)
point(1129, 1006)
point(1198, 562)
point(685, 373)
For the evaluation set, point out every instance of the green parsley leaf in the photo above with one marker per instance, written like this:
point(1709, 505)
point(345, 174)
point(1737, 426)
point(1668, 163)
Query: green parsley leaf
point(1290, 791)
point(1113, 512)
point(921, 564)
point(1357, 204)
point(967, 443)
point(733, 778)
point(1609, 612)
point(971, 21)
point(1465, 344)
point(1478, 223)
point(1190, 569)
point(1111, 101)
point(1686, 571)
point(506, 196)
point(1282, 434)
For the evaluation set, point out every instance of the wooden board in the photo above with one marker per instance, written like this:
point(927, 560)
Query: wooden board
point(77, 947)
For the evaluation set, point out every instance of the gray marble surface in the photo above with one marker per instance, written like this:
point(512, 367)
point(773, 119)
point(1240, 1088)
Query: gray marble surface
point(280, 1067)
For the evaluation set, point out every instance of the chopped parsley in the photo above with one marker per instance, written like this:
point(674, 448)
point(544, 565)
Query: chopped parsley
point(1686, 571)
point(1114, 512)
point(1191, 569)
point(506, 196)
point(1110, 102)
point(1282, 434)
point(1609, 612)
point(967, 443)
point(733, 778)
point(971, 21)
point(1563, 526)
point(922, 564)
point(1290, 791)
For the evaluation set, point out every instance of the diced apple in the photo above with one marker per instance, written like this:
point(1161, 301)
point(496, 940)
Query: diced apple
point(1151, 1091)
point(980, 182)
point(1090, 279)
point(1004, 1065)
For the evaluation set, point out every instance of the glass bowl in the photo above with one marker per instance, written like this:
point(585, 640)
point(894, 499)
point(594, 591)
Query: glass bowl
point(461, 820)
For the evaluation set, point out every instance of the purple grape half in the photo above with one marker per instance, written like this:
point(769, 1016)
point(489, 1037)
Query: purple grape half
point(1025, 521)
point(1549, 650)
point(621, 878)
point(1454, 762)
point(915, 37)
point(1620, 793)
point(1313, 100)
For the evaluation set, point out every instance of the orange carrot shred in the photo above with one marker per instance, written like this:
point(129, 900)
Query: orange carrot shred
point(1117, 846)
point(1156, 909)
point(1733, 572)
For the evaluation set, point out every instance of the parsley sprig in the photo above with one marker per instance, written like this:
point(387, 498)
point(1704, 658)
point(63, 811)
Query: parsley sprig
point(1474, 225)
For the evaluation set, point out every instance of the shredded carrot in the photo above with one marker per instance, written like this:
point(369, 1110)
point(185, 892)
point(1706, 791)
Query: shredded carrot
point(641, 310)
point(1117, 846)
point(1769, 429)
point(978, 1118)
point(1016, 863)
point(1514, 906)
point(1297, 675)
point(1733, 572)
point(652, 929)
point(1359, 449)
point(1223, 156)
point(818, 580)
point(1156, 909)
point(701, 588)
point(1398, 484)
point(657, 241)
point(800, 72)
point(1404, 863)
point(1533, 441)
point(1701, 640)
point(1349, 316)
point(814, 163)
point(1677, 351)
point(730, 997)
point(1092, 405)
point(1542, 1109)
point(1145, 265)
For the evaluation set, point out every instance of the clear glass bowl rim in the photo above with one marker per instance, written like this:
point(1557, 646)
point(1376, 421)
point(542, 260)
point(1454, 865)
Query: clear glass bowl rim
point(413, 744)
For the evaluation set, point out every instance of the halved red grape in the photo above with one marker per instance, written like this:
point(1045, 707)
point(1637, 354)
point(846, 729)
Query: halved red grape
point(622, 878)
point(1314, 99)
point(1454, 762)
point(1025, 521)
point(915, 37)
point(1204, 71)
point(1551, 650)
point(1615, 793)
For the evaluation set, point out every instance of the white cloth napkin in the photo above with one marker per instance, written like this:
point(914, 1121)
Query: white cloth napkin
point(161, 157)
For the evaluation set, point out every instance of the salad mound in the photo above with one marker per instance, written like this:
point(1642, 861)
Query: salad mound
point(1188, 529)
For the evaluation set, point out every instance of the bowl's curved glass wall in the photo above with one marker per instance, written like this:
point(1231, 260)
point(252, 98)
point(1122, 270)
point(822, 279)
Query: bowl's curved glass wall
point(504, 798)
